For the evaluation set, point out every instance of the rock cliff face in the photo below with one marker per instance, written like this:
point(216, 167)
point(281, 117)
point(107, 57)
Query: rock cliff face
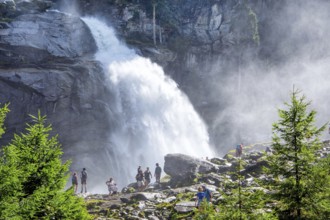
point(46, 56)
point(199, 43)
point(46, 65)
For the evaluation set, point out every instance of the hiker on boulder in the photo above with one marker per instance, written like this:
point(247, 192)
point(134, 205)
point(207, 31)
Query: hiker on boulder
point(139, 169)
point(158, 172)
point(75, 182)
point(112, 186)
point(147, 177)
point(199, 197)
point(239, 150)
point(83, 177)
point(140, 180)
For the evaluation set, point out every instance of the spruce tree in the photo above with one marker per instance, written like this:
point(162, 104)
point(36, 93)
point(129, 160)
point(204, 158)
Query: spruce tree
point(241, 202)
point(320, 190)
point(298, 182)
point(33, 178)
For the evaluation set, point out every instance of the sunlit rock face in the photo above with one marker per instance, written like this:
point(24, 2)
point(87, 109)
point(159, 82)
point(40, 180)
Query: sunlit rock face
point(183, 169)
point(46, 65)
point(40, 38)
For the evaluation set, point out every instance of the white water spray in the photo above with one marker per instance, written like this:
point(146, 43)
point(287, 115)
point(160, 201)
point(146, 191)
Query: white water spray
point(156, 118)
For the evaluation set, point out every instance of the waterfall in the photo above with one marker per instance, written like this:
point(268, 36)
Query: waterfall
point(154, 117)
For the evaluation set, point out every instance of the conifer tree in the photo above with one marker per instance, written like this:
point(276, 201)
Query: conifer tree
point(242, 202)
point(33, 178)
point(320, 190)
point(299, 181)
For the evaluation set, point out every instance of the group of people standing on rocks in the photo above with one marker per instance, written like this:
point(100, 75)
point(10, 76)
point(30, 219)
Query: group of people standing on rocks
point(144, 178)
point(83, 179)
point(112, 186)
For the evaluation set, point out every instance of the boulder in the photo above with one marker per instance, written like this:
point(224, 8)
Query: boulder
point(145, 196)
point(184, 207)
point(254, 155)
point(152, 217)
point(219, 161)
point(212, 178)
point(183, 169)
point(224, 168)
point(255, 169)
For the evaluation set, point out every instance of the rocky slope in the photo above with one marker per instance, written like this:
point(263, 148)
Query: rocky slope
point(175, 197)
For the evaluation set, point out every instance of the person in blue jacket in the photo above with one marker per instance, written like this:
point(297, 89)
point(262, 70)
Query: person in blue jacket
point(199, 197)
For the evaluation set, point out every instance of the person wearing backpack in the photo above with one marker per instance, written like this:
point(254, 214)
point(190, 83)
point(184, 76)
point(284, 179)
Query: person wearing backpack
point(83, 178)
point(140, 180)
point(147, 177)
point(239, 150)
point(207, 194)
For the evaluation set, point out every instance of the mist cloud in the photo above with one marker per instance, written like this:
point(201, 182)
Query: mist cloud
point(299, 57)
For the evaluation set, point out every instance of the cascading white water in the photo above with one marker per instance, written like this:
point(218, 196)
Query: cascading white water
point(156, 118)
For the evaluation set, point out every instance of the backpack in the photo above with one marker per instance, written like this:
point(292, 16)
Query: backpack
point(74, 179)
point(208, 194)
point(147, 175)
point(158, 170)
point(83, 175)
point(139, 177)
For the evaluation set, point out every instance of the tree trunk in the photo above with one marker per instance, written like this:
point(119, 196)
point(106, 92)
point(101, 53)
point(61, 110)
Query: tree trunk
point(160, 36)
point(154, 21)
point(297, 174)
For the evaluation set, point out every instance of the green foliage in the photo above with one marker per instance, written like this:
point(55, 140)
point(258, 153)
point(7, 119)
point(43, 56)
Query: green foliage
point(321, 173)
point(301, 182)
point(33, 178)
point(183, 216)
point(164, 205)
point(130, 190)
point(3, 112)
point(243, 205)
point(242, 202)
point(206, 212)
point(188, 196)
point(165, 179)
point(94, 204)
